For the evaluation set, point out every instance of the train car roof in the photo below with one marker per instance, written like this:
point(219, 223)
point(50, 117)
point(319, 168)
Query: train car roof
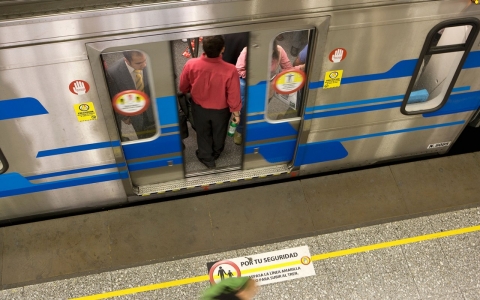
point(18, 9)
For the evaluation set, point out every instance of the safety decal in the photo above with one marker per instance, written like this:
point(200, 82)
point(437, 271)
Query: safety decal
point(439, 145)
point(85, 112)
point(265, 268)
point(337, 55)
point(79, 87)
point(289, 81)
point(131, 103)
point(333, 79)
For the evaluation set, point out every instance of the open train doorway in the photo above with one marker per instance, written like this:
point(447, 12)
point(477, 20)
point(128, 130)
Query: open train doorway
point(230, 158)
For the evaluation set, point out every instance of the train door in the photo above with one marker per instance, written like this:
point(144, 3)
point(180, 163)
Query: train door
point(281, 55)
point(137, 82)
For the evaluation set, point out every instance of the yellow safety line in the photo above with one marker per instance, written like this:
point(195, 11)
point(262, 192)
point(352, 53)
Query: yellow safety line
point(202, 278)
point(396, 243)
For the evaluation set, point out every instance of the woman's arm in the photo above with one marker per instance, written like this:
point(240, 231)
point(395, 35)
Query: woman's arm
point(242, 63)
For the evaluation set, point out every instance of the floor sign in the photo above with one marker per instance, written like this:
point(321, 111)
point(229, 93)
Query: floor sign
point(265, 268)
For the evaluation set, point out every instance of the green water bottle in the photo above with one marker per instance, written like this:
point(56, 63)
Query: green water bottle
point(232, 128)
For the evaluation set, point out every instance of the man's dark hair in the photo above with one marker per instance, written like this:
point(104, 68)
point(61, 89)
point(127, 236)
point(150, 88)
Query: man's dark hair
point(128, 54)
point(213, 45)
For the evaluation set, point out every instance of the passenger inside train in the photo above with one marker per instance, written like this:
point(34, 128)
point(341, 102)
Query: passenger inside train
point(128, 70)
point(279, 106)
point(215, 92)
point(283, 106)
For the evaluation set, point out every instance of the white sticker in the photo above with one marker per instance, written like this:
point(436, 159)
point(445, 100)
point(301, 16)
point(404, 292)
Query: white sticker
point(265, 268)
point(439, 145)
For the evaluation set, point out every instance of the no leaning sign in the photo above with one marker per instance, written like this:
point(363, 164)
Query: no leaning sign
point(265, 268)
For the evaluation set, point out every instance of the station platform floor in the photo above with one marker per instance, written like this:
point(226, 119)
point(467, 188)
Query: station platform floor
point(405, 231)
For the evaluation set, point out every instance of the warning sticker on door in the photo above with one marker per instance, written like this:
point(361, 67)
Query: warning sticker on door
point(85, 112)
point(333, 79)
point(337, 55)
point(79, 87)
point(289, 81)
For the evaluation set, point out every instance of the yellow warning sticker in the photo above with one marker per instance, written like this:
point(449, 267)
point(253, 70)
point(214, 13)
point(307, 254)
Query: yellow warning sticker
point(85, 111)
point(332, 79)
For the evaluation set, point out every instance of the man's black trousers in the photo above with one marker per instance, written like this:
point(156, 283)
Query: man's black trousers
point(211, 126)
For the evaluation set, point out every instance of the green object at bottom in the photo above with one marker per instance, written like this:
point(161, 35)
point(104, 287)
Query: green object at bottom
point(232, 128)
point(226, 286)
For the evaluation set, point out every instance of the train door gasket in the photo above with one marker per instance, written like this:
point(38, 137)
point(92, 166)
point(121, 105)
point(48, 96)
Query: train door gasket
point(418, 99)
point(3, 163)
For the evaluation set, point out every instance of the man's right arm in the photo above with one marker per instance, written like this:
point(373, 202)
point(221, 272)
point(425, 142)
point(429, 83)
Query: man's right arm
point(233, 97)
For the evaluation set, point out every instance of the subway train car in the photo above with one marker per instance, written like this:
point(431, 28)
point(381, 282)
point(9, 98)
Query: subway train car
point(379, 80)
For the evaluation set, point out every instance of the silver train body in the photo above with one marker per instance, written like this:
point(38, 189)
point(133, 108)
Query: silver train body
point(355, 111)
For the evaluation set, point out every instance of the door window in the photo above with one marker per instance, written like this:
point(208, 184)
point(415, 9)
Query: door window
point(131, 94)
point(442, 58)
point(289, 52)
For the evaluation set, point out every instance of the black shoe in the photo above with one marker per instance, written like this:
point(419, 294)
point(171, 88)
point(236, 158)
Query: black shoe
point(208, 164)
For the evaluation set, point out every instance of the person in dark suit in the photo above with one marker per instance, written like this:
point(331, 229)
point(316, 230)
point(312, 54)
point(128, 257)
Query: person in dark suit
point(234, 44)
point(130, 73)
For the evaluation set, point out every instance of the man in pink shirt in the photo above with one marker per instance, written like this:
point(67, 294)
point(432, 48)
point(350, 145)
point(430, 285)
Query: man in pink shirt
point(215, 91)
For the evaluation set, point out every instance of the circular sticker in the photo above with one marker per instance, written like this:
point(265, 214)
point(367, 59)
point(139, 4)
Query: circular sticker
point(131, 102)
point(289, 81)
point(84, 107)
point(333, 75)
point(337, 55)
point(222, 269)
point(79, 87)
point(305, 260)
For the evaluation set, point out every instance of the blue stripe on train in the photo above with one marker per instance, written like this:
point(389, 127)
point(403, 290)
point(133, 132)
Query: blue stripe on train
point(351, 103)
point(155, 163)
point(76, 171)
point(458, 103)
point(455, 103)
point(20, 107)
point(354, 110)
point(473, 60)
point(275, 152)
point(167, 111)
point(79, 148)
point(333, 149)
point(12, 184)
point(260, 131)
point(403, 68)
point(369, 101)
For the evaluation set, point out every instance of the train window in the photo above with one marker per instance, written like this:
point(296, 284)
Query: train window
point(289, 50)
point(3, 163)
point(440, 63)
point(129, 87)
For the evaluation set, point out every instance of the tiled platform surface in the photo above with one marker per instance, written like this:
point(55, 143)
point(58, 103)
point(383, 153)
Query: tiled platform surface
point(444, 268)
point(227, 221)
